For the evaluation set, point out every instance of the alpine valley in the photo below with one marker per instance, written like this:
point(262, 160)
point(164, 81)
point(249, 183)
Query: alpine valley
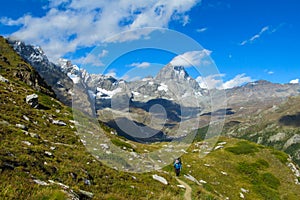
point(42, 155)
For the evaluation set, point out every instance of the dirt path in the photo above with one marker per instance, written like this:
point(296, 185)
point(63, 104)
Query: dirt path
point(188, 189)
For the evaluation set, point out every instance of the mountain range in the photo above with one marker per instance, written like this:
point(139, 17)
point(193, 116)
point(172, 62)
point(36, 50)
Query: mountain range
point(40, 144)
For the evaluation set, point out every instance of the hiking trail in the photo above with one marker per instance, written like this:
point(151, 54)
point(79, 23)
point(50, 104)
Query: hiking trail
point(188, 189)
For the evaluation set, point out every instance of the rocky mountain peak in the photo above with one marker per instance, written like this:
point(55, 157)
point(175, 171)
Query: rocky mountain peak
point(67, 66)
point(29, 52)
point(168, 72)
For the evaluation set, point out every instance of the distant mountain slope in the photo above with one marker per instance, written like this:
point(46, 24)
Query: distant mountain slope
point(276, 126)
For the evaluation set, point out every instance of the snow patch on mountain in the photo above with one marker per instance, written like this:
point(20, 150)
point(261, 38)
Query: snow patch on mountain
point(163, 87)
point(106, 94)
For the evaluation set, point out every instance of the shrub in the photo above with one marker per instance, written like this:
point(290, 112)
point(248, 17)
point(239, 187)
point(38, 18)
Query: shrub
point(270, 180)
point(261, 164)
point(242, 148)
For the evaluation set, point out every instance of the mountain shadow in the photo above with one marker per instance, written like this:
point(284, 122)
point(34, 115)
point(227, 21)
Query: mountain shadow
point(290, 120)
point(136, 131)
point(220, 112)
point(175, 112)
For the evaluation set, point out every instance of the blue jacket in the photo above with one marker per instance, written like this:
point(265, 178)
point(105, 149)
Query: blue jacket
point(177, 165)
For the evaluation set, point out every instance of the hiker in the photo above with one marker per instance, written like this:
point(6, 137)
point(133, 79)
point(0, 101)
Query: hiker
point(177, 166)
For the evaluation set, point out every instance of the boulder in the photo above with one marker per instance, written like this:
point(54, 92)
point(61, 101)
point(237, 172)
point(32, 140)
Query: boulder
point(160, 179)
point(4, 80)
point(218, 147)
point(243, 190)
point(32, 100)
point(22, 126)
point(25, 117)
point(85, 194)
point(224, 173)
point(242, 196)
point(202, 181)
point(34, 135)
point(39, 182)
point(191, 178)
point(48, 153)
point(59, 123)
point(26, 143)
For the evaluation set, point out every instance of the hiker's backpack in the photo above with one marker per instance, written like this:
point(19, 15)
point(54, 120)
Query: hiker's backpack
point(177, 165)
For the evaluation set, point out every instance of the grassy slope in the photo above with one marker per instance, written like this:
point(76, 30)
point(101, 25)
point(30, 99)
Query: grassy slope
point(21, 164)
point(247, 165)
point(70, 164)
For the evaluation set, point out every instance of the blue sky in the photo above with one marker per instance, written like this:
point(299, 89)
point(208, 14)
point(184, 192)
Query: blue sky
point(247, 40)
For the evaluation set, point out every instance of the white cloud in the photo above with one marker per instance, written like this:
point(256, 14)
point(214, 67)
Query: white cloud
point(140, 65)
point(201, 30)
point(237, 81)
point(185, 20)
point(112, 73)
point(72, 24)
point(295, 81)
point(256, 36)
point(92, 59)
point(215, 81)
point(103, 53)
point(210, 82)
point(269, 72)
point(192, 58)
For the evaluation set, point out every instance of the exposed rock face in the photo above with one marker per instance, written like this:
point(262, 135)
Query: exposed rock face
point(171, 83)
point(32, 100)
point(276, 138)
point(293, 140)
point(178, 76)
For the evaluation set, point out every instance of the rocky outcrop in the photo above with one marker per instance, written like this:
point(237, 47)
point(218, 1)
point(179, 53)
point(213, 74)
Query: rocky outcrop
point(276, 138)
point(293, 140)
point(32, 100)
